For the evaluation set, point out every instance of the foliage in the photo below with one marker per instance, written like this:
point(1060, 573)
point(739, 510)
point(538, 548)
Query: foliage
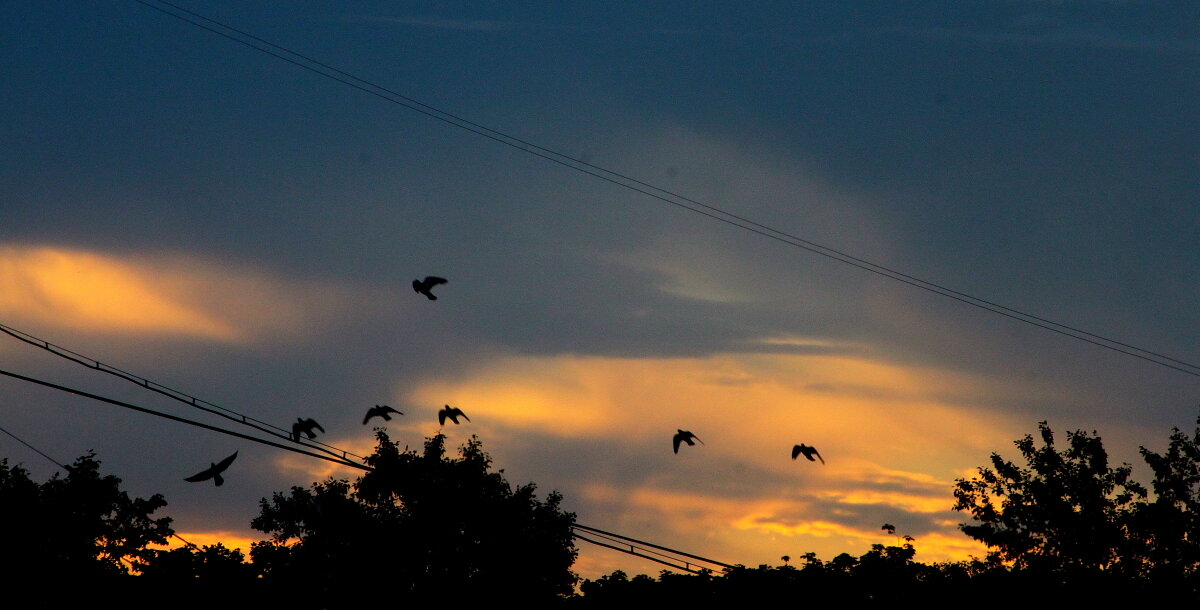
point(428, 525)
point(1168, 529)
point(883, 574)
point(1066, 512)
point(80, 524)
point(1070, 521)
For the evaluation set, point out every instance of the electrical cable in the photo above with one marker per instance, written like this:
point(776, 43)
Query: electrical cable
point(36, 450)
point(608, 535)
point(184, 420)
point(187, 399)
point(665, 195)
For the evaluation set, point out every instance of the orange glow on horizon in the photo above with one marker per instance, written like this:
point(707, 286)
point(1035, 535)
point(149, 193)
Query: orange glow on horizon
point(231, 540)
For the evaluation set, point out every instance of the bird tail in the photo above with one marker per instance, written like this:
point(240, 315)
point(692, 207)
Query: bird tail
point(219, 480)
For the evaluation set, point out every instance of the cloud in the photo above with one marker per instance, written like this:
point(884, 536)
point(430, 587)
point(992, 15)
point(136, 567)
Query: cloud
point(894, 437)
point(170, 295)
point(295, 466)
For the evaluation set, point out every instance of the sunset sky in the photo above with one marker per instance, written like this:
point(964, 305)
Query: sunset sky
point(230, 225)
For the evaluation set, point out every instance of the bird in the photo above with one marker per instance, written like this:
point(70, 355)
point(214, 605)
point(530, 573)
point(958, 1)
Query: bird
point(808, 452)
point(214, 471)
point(683, 436)
point(381, 411)
point(452, 413)
point(424, 286)
point(306, 426)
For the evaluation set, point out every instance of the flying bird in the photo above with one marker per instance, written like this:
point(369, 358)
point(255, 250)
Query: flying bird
point(214, 471)
point(306, 426)
point(683, 436)
point(453, 413)
point(427, 284)
point(381, 411)
point(808, 452)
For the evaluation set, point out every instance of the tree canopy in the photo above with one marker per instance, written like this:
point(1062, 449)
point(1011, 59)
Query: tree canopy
point(79, 525)
point(1068, 517)
point(419, 526)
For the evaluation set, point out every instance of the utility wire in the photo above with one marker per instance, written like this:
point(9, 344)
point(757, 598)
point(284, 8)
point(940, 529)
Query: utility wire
point(664, 195)
point(624, 540)
point(36, 450)
point(182, 397)
point(631, 551)
point(184, 420)
point(627, 539)
point(68, 469)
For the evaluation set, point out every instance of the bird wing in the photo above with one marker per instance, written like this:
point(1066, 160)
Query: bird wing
point(795, 452)
point(223, 464)
point(431, 281)
point(818, 454)
point(464, 415)
point(698, 439)
point(317, 426)
point(370, 413)
point(204, 475)
point(675, 440)
point(442, 416)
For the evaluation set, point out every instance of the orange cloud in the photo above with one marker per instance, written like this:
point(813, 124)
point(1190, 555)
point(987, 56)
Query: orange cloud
point(310, 469)
point(92, 292)
point(893, 436)
point(82, 290)
point(744, 406)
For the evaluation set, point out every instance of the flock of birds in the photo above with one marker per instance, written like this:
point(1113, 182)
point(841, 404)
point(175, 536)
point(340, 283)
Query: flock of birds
point(306, 426)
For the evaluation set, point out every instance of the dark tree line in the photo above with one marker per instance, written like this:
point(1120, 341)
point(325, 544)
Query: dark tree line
point(422, 526)
point(1062, 525)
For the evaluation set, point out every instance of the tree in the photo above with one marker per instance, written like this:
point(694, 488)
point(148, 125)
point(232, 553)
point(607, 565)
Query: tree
point(82, 525)
point(1066, 512)
point(428, 525)
point(1168, 528)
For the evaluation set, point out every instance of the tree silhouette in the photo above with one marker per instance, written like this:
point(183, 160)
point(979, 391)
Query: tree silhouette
point(427, 525)
point(81, 526)
point(1065, 512)
point(1167, 530)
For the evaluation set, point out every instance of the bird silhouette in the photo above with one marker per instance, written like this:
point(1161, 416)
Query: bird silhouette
point(683, 436)
point(427, 284)
point(381, 411)
point(306, 426)
point(808, 452)
point(453, 413)
point(214, 471)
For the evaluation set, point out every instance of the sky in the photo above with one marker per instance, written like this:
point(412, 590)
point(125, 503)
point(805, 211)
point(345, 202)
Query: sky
point(230, 225)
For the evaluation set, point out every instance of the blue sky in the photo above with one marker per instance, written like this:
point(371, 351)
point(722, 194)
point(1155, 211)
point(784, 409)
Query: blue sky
point(228, 224)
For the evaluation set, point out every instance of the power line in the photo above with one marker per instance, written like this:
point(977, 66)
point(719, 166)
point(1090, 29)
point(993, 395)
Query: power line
point(187, 399)
point(623, 540)
point(184, 420)
point(36, 450)
point(661, 194)
point(651, 548)
point(68, 469)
